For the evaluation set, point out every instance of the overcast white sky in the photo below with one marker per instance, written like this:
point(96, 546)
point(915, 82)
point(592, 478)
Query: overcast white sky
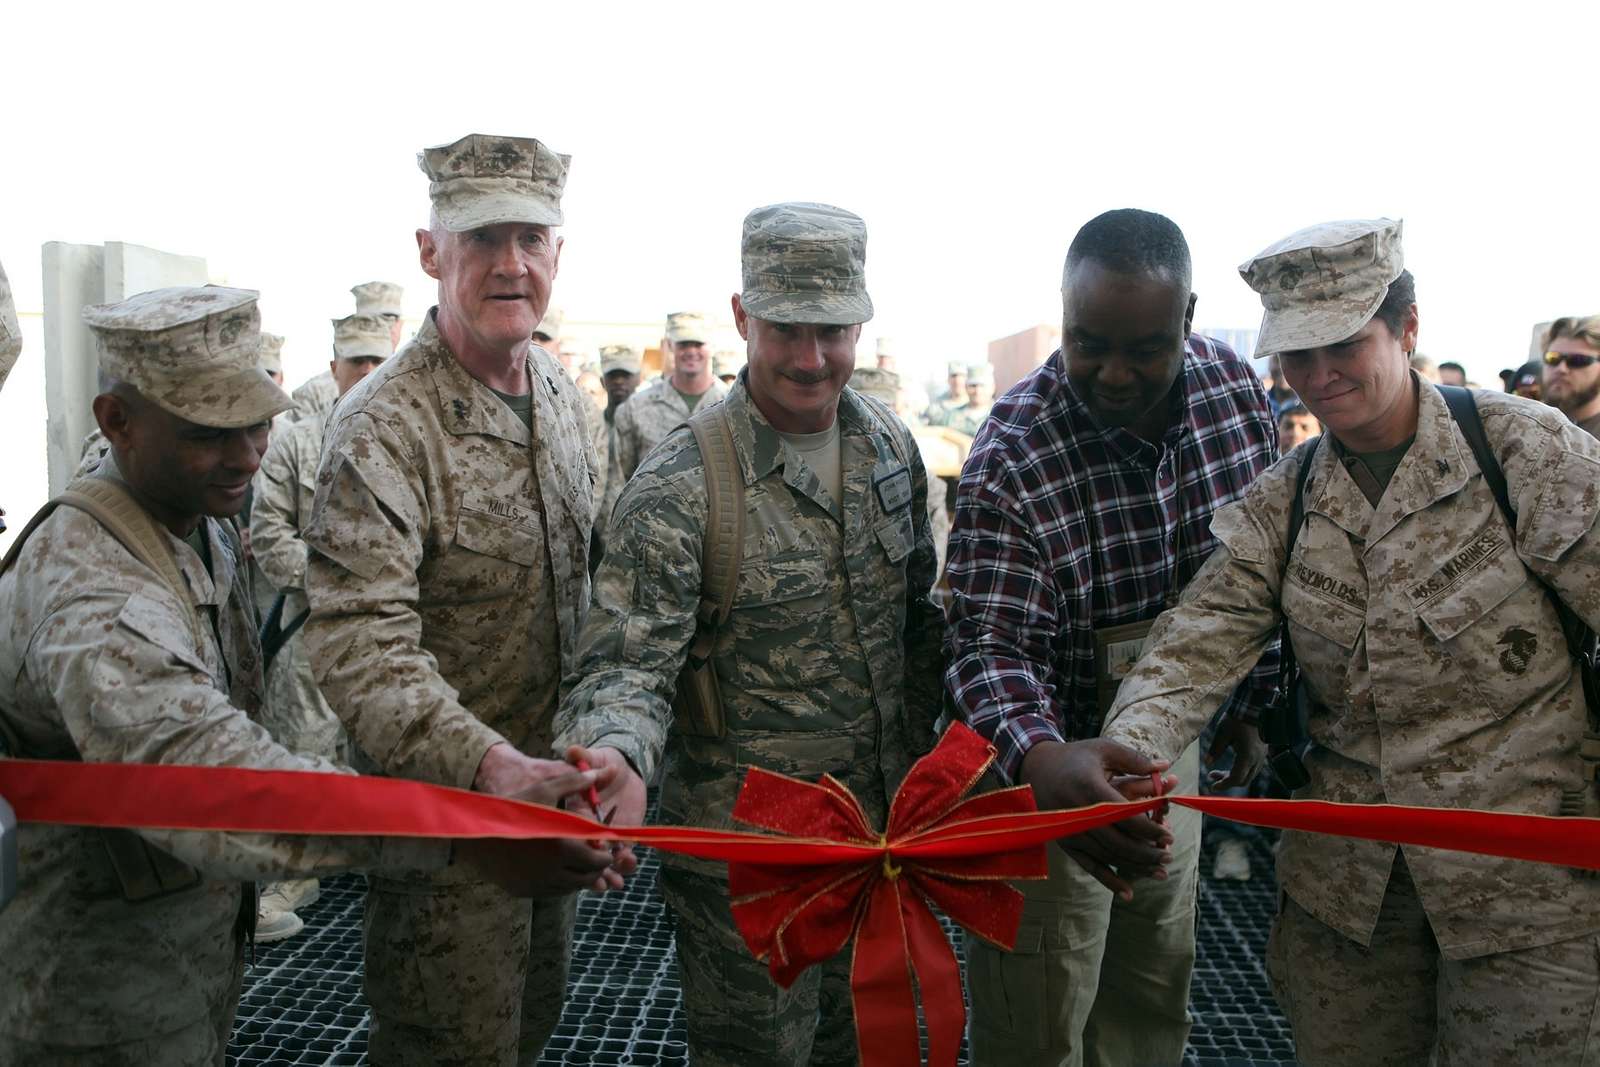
point(278, 141)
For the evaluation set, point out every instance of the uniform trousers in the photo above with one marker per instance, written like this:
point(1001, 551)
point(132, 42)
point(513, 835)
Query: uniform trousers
point(1399, 1001)
point(736, 1015)
point(461, 973)
point(1093, 980)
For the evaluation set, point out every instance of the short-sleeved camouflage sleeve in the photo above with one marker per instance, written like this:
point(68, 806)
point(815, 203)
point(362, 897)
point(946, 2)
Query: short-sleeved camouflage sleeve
point(365, 634)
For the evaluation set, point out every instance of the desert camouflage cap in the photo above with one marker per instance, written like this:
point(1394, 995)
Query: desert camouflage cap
point(550, 325)
point(883, 385)
point(378, 298)
point(955, 367)
point(484, 180)
point(727, 363)
point(10, 332)
point(619, 357)
point(980, 374)
point(688, 326)
point(1322, 284)
point(362, 337)
point(192, 350)
point(805, 263)
point(270, 355)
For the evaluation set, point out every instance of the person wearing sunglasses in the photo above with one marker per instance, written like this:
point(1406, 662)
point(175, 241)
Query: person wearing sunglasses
point(1572, 370)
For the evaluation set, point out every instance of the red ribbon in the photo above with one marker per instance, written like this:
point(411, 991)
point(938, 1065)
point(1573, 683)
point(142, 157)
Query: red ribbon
point(825, 877)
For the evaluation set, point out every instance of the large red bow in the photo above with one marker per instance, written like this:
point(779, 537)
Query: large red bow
point(795, 916)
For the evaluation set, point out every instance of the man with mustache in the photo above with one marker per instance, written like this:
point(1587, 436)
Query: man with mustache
point(828, 661)
point(448, 578)
point(666, 403)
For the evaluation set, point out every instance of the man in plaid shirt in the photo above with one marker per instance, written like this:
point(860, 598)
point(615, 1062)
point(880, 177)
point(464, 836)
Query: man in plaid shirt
point(1084, 508)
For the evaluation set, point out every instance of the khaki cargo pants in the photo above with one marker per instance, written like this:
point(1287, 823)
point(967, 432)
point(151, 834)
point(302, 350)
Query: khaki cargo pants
point(736, 1015)
point(1093, 980)
point(462, 973)
point(1400, 1002)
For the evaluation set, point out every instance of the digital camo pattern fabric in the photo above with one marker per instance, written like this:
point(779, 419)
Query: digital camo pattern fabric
point(1433, 654)
point(448, 579)
point(314, 397)
point(830, 663)
point(285, 489)
point(100, 661)
point(648, 416)
point(448, 574)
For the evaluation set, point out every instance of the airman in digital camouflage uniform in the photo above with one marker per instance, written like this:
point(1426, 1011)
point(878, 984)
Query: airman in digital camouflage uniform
point(666, 403)
point(315, 396)
point(102, 658)
point(830, 662)
point(1438, 675)
point(10, 332)
point(448, 578)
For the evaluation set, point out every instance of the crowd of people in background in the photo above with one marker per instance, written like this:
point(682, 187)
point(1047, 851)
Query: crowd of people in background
point(476, 559)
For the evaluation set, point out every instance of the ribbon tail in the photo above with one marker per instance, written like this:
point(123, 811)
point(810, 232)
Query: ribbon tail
point(880, 982)
point(938, 980)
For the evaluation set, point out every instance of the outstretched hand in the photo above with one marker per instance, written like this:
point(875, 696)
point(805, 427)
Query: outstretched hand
point(544, 867)
point(621, 791)
point(1083, 773)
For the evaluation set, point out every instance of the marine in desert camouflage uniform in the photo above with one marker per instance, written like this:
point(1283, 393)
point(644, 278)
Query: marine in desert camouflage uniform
point(1437, 672)
point(666, 403)
point(448, 578)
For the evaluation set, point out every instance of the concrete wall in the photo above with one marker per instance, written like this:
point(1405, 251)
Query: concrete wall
point(74, 277)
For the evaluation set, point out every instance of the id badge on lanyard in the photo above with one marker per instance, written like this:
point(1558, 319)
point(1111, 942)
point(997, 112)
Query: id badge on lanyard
point(1118, 648)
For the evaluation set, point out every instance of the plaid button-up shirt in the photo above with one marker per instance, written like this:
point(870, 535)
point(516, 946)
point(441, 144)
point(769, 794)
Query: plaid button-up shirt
point(1063, 527)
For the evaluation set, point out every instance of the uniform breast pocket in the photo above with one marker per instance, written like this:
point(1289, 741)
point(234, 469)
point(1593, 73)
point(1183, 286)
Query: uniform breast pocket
point(1325, 636)
point(486, 568)
point(783, 620)
point(1498, 631)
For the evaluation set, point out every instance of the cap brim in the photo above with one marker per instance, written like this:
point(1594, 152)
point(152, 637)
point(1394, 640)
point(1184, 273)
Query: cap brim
point(361, 351)
point(476, 212)
point(228, 400)
point(1325, 322)
point(816, 309)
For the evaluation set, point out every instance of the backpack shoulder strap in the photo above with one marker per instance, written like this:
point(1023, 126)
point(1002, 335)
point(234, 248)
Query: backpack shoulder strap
point(1297, 509)
point(723, 549)
point(1464, 409)
point(111, 505)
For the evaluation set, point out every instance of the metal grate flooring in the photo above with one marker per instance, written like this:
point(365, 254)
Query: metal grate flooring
point(302, 1001)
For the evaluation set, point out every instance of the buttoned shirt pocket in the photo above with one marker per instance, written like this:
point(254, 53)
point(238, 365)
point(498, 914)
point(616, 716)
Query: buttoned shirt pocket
point(780, 622)
point(486, 566)
point(1325, 633)
point(1499, 633)
point(170, 637)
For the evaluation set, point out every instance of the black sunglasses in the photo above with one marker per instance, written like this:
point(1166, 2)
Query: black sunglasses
point(1575, 360)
